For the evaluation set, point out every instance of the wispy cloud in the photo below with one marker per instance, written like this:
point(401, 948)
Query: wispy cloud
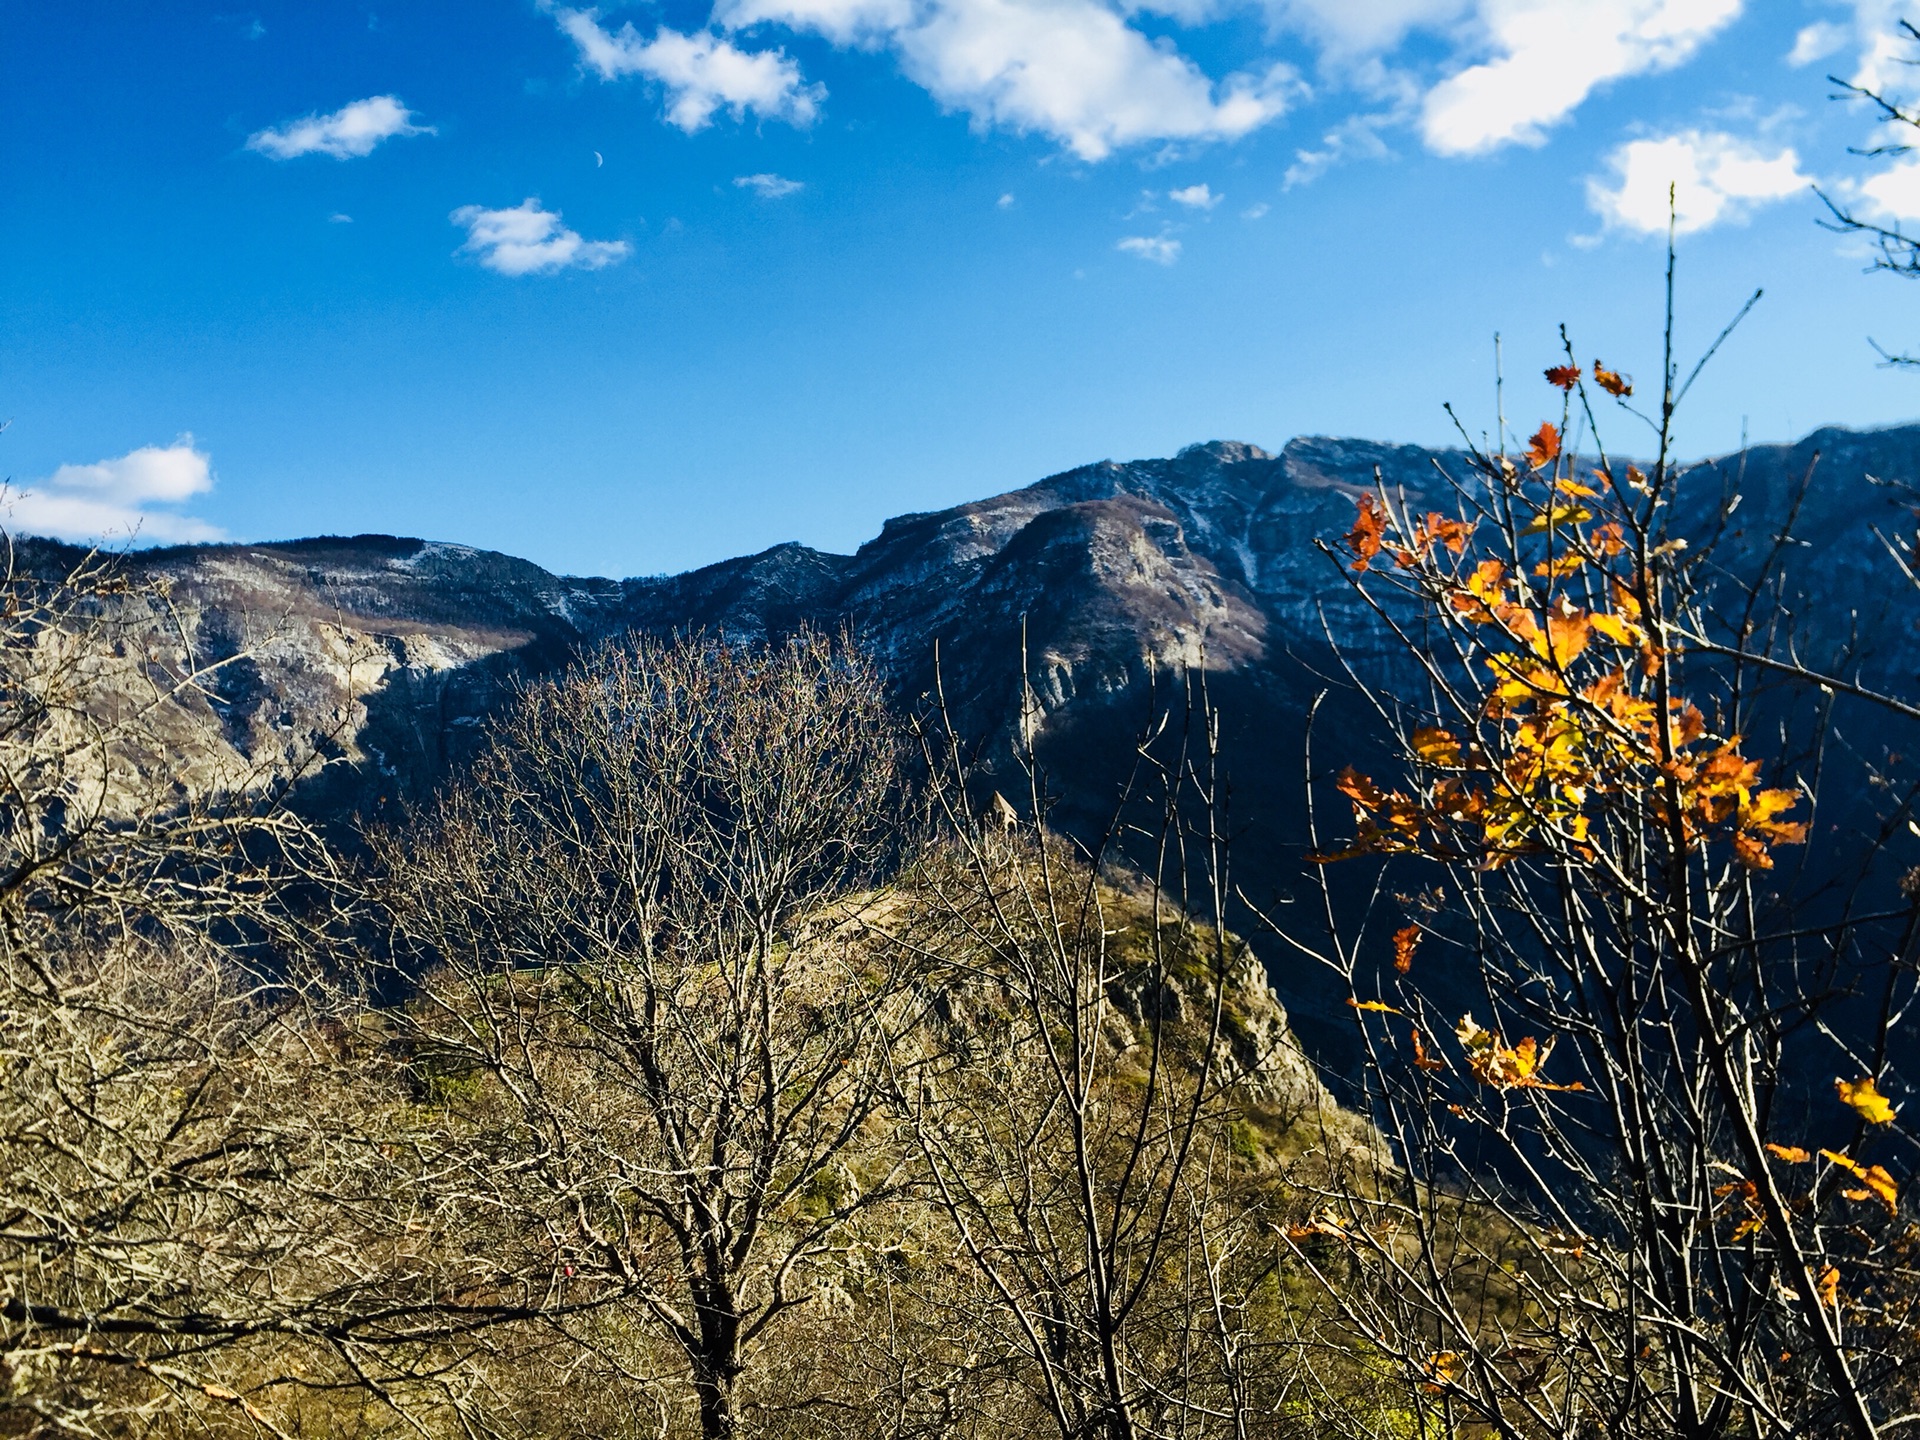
point(700, 72)
point(1816, 42)
point(529, 240)
point(1160, 249)
point(769, 186)
point(1715, 178)
point(113, 501)
point(1195, 197)
point(1355, 138)
point(349, 132)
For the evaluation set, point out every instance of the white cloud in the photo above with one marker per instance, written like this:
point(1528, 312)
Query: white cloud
point(112, 500)
point(1893, 194)
point(769, 186)
point(1549, 55)
point(1160, 249)
point(1005, 202)
point(1715, 177)
point(1195, 197)
point(1254, 212)
point(1817, 42)
point(701, 72)
point(529, 240)
point(340, 217)
point(1072, 70)
point(1347, 28)
point(349, 132)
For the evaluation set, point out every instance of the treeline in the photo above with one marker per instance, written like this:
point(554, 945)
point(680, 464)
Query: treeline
point(723, 1054)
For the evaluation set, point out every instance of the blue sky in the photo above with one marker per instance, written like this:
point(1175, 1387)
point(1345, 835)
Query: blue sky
point(630, 290)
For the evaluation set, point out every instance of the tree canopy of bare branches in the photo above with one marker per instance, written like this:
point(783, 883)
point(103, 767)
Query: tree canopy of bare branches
point(643, 994)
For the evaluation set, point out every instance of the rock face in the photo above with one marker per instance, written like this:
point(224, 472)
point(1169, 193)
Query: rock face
point(1114, 575)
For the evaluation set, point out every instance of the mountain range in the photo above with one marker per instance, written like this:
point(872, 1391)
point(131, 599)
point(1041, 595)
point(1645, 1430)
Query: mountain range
point(1094, 586)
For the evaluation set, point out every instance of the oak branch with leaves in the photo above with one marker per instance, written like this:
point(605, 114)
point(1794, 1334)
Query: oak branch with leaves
point(1669, 1232)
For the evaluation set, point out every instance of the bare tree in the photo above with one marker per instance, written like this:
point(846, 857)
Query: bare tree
point(188, 1197)
point(1896, 252)
point(646, 1000)
point(1106, 1068)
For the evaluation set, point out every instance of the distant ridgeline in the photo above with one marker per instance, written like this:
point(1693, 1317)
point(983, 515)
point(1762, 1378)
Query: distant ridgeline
point(1118, 577)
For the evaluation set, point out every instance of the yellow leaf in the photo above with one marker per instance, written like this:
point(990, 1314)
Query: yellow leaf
point(1621, 632)
point(1879, 1185)
point(1436, 746)
point(1556, 515)
point(1862, 1095)
point(1377, 1005)
point(1560, 566)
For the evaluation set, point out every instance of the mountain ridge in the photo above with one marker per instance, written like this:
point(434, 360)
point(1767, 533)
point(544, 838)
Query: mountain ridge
point(1101, 578)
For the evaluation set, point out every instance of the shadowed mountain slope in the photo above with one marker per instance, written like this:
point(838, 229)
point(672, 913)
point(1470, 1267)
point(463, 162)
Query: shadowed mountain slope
point(1115, 576)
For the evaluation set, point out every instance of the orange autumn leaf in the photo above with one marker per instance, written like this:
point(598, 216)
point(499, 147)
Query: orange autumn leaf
point(1748, 1194)
point(1866, 1099)
point(1482, 592)
point(1369, 530)
point(1567, 635)
point(1612, 381)
point(1504, 1067)
point(1560, 566)
point(1876, 1182)
point(1829, 1286)
point(1751, 852)
point(1422, 1060)
point(1442, 1368)
point(1544, 446)
point(1792, 1154)
point(1564, 376)
point(1608, 539)
point(1323, 1222)
point(1405, 941)
point(1359, 789)
point(1453, 534)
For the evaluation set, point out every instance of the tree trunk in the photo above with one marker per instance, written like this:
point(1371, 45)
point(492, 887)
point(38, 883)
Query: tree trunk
point(713, 1385)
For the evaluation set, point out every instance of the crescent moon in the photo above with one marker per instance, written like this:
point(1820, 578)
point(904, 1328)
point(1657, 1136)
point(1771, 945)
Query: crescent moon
point(597, 161)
